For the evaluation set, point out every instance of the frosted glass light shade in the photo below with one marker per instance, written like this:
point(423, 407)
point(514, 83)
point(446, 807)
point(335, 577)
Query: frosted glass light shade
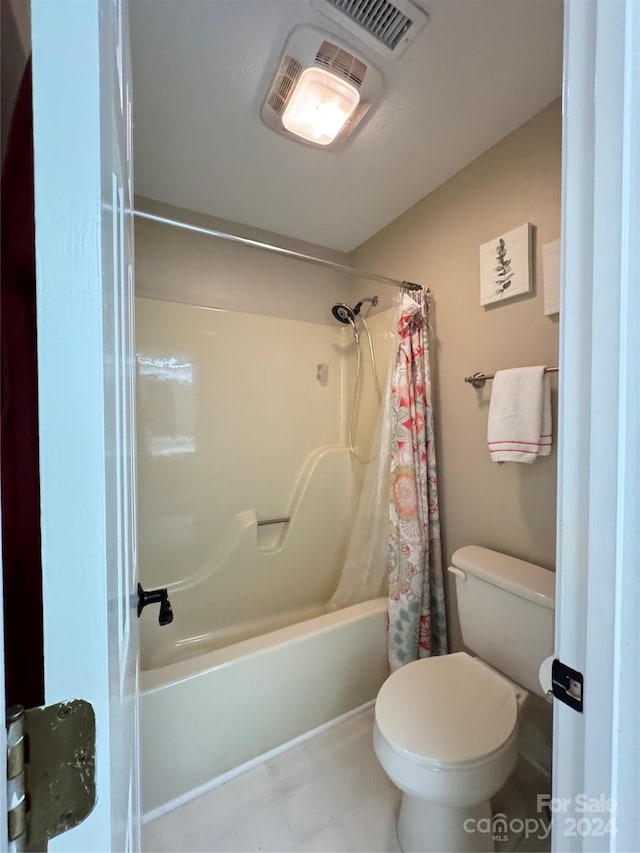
point(320, 106)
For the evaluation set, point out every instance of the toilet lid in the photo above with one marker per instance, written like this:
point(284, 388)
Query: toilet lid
point(448, 709)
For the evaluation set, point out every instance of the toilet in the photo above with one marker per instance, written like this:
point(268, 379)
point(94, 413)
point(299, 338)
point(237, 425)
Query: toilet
point(446, 728)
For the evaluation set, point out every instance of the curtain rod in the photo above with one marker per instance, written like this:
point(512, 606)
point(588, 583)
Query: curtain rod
point(277, 250)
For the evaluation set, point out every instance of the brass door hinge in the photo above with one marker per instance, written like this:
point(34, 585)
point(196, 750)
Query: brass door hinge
point(51, 760)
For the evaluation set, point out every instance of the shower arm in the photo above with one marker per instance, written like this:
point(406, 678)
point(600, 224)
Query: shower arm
point(358, 306)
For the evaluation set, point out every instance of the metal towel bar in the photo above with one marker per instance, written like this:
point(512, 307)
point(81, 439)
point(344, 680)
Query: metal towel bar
point(273, 521)
point(478, 379)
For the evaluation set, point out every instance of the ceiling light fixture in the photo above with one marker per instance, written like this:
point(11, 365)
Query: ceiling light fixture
point(320, 106)
point(321, 91)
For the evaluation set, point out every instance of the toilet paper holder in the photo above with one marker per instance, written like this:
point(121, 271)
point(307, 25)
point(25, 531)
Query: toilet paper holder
point(562, 682)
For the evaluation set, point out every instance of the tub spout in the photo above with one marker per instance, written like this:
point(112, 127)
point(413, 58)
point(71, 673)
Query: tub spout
point(156, 596)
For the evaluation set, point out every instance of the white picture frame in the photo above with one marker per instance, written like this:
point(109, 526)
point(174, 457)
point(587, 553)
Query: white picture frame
point(506, 266)
point(551, 277)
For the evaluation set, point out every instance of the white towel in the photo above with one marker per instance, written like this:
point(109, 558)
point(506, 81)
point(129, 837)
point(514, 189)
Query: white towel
point(519, 428)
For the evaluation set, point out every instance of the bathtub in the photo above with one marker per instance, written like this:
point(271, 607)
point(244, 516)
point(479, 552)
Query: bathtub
point(205, 715)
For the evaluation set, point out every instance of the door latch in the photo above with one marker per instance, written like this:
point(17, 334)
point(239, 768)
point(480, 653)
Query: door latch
point(567, 685)
point(156, 596)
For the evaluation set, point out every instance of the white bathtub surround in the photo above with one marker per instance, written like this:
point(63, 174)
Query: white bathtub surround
point(221, 448)
point(205, 715)
point(231, 600)
point(327, 794)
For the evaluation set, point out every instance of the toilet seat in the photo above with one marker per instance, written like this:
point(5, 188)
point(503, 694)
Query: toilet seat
point(446, 712)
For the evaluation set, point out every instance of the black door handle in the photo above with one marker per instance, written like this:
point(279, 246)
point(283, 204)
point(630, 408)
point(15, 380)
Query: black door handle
point(156, 596)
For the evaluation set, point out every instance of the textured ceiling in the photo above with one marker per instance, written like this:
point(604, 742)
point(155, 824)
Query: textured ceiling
point(202, 68)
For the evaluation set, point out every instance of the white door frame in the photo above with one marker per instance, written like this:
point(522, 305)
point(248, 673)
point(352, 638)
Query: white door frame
point(70, 334)
point(598, 585)
point(86, 376)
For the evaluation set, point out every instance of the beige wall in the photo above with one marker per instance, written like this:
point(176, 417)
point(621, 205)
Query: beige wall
point(508, 507)
point(197, 269)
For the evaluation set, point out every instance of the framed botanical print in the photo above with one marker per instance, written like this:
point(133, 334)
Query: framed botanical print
point(506, 266)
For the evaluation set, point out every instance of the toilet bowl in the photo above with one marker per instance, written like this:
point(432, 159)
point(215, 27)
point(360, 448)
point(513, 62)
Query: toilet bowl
point(446, 728)
point(446, 734)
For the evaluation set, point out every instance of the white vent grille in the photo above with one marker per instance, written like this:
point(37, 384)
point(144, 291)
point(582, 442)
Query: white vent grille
point(287, 75)
point(341, 63)
point(380, 18)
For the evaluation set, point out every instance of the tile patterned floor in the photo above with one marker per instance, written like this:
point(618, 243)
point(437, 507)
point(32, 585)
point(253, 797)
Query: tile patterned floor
point(327, 794)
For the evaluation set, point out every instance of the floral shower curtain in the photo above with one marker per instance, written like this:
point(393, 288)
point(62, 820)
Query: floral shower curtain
point(417, 624)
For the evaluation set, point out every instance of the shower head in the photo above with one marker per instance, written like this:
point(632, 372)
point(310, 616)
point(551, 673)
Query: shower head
point(344, 313)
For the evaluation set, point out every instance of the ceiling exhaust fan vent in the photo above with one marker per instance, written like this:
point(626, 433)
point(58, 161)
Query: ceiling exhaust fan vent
point(389, 27)
point(342, 63)
point(380, 18)
point(287, 75)
point(308, 49)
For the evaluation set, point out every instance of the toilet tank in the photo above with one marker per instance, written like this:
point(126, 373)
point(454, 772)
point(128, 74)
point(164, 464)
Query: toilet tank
point(507, 609)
